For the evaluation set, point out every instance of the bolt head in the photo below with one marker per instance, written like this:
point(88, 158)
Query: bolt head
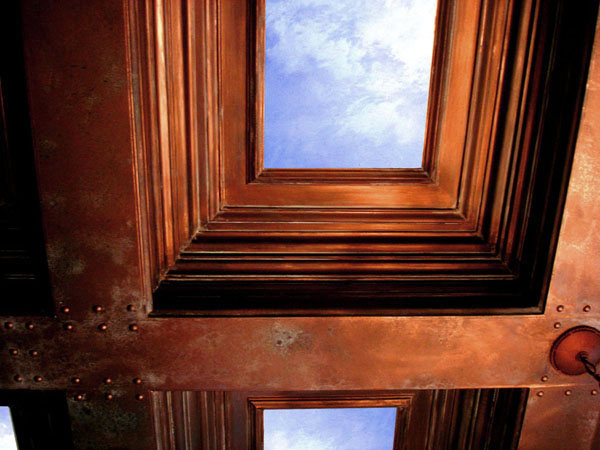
point(29, 326)
point(13, 351)
point(109, 396)
point(545, 378)
point(139, 397)
point(131, 308)
point(568, 392)
point(133, 327)
point(557, 325)
point(37, 379)
point(18, 378)
point(540, 393)
point(107, 381)
point(65, 310)
point(103, 327)
point(34, 353)
point(560, 308)
point(594, 392)
point(68, 326)
point(75, 380)
point(9, 325)
point(97, 308)
point(137, 381)
point(587, 308)
point(78, 397)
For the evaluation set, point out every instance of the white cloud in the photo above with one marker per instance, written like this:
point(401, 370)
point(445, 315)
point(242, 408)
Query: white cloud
point(372, 59)
point(7, 442)
point(329, 429)
point(7, 438)
point(282, 440)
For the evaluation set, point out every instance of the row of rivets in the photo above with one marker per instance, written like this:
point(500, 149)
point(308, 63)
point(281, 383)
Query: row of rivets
point(586, 308)
point(19, 378)
point(568, 392)
point(69, 326)
point(132, 327)
point(95, 308)
point(10, 325)
point(74, 380)
point(77, 380)
point(107, 396)
point(14, 352)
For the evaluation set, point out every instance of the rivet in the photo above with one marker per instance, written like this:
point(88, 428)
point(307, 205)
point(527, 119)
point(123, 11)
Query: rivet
point(545, 378)
point(133, 327)
point(65, 310)
point(37, 379)
point(68, 326)
point(137, 381)
point(560, 308)
point(557, 325)
point(34, 353)
point(109, 396)
point(540, 393)
point(18, 378)
point(8, 325)
point(78, 397)
point(587, 308)
point(75, 380)
point(97, 308)
point(102, 327)
point(29, 326)
point(568, 392)
point(594, 392)
point(107, 380)
point(131, 308)
point(13, 351)
point(139, 397)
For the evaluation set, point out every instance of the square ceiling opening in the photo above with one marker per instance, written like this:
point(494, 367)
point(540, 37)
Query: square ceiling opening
point(329, 428)
point(346, 83)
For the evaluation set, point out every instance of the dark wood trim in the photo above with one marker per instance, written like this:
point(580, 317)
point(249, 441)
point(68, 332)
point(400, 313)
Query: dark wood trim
point(191, 420)
point(226, 238)
point(40, 419)
point(428, 419)
point(257, 405)
point(24, 282)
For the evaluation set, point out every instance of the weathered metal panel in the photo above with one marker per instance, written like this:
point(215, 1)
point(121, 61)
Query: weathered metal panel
point(80, 104)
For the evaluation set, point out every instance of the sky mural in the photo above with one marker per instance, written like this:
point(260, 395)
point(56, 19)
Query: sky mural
point(329, 429)
point(7, 436)
point(346, 82)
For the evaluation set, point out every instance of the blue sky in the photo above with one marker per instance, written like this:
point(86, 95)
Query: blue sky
point(7, 438)
point(347, 82)
point(329, 429)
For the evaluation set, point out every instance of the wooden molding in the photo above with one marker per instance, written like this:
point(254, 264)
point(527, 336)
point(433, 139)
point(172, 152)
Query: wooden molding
point(24, 284)
point(191, 420)
point(257, 405)
point(469, 419)
point(473, 231)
